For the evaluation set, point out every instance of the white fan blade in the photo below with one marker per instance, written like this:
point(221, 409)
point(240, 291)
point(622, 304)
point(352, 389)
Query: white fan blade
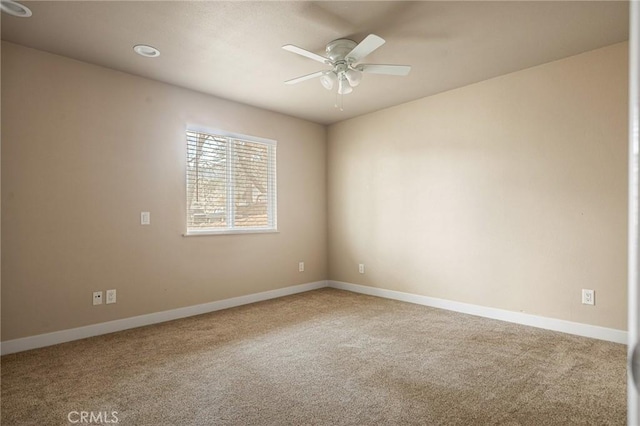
point(384, 69)
point(366, 46)
point(306, 53)
point(305, 77)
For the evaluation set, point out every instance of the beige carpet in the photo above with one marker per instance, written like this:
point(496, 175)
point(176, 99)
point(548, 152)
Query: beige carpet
point(326, 357)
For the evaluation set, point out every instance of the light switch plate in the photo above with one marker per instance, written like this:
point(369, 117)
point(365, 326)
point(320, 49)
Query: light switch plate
point(145, 218)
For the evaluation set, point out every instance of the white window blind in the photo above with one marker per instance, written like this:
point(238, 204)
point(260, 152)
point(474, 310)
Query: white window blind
point(231, 183)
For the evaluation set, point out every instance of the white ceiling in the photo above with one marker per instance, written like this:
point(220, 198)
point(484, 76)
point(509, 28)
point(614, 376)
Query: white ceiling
point(233, 49)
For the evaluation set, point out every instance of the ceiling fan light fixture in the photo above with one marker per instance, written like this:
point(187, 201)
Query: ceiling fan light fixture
point(15, 9)
point(354, 77)
point(343, 86)
point(328, 80)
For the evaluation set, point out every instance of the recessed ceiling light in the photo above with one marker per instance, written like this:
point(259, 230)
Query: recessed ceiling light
point(15, 9)
point(146, 51)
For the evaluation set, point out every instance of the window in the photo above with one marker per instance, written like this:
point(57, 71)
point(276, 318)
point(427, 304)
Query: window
point(231, 183)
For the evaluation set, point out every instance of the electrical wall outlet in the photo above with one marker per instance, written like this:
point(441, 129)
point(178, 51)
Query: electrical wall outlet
point(97, 298)
point(111, 296)
point(588, 297)
point(361, 268)
point(300, 266)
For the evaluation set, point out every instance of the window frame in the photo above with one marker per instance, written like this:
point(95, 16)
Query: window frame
point(272, 197)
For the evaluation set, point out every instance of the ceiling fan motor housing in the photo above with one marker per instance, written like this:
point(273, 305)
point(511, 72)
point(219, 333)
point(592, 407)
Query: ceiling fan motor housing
point(338, 49)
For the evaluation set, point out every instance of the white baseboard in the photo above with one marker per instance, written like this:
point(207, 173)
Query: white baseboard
point(48, 339)
point(586, 330)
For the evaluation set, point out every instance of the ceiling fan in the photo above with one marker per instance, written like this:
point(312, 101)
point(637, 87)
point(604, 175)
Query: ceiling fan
point(343, 56)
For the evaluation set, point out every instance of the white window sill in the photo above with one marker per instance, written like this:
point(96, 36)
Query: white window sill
point(229, 232)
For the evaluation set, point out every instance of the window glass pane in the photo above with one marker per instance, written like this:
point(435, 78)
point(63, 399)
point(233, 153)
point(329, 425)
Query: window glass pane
point(206, 181)
point(251, 184)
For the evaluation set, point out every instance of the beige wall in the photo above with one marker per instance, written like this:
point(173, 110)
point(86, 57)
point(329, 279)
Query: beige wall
point(85, 149)
point(510, 193)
